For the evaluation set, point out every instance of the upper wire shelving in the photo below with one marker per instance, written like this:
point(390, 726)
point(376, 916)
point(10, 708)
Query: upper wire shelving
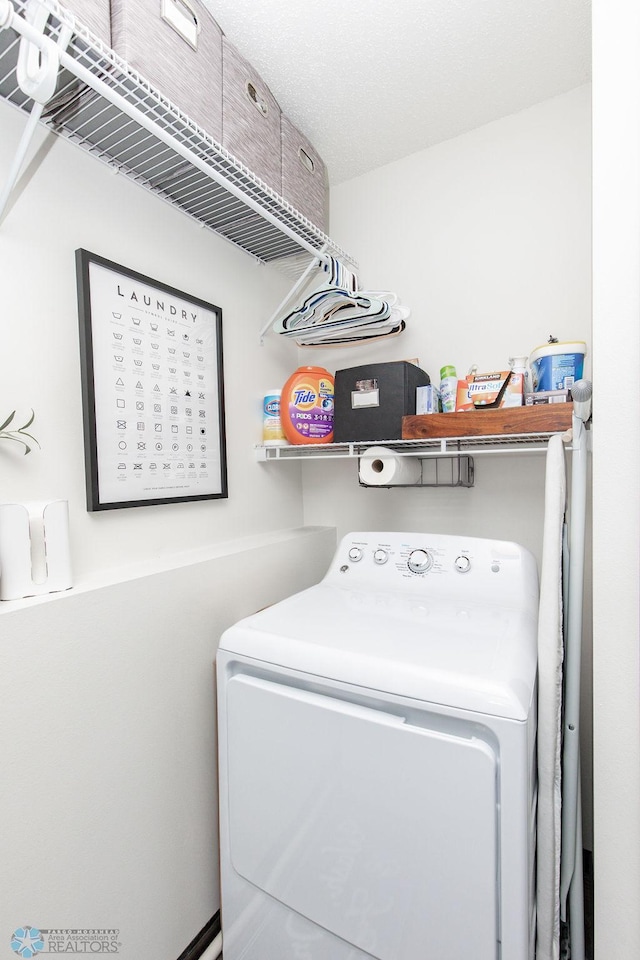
point(99, 103)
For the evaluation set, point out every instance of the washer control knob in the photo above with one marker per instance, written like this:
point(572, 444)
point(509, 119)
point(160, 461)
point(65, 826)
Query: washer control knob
point(380, 556)
point(355, 554)
point(462, 563)
point(420, 561)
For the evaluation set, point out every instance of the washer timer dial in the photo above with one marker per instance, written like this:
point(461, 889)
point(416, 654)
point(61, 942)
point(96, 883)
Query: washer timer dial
point(420, 561)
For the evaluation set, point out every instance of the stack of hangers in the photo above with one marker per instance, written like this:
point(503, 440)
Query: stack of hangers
point(337, 313)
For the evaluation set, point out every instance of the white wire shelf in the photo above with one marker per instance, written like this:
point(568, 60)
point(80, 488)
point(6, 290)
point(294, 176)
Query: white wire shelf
point(113, 113)
point(438, 447)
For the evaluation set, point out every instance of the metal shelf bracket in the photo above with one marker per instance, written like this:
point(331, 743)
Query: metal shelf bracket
point(36, 75)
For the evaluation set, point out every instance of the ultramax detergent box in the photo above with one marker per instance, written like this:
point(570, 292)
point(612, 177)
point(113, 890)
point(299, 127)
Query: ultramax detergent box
point(488, 391)
point(371, 400)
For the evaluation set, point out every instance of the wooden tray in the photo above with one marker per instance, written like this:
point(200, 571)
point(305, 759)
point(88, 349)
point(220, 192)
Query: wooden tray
point(540, 418)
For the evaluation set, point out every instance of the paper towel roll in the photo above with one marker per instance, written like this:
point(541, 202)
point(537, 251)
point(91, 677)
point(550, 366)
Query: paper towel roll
point(380, 467)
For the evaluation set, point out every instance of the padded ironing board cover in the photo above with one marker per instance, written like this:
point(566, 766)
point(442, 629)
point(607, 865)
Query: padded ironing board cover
point(550, 657)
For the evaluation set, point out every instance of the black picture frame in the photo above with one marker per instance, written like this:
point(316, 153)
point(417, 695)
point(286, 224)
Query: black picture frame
point(152, 389)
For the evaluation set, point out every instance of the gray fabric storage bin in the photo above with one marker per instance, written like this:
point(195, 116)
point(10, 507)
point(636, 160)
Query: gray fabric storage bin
point(186, 70)
point(95, 15)
point(250, 118)
point(304, 175)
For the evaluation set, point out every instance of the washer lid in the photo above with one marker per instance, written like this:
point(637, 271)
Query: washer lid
point(474, 656)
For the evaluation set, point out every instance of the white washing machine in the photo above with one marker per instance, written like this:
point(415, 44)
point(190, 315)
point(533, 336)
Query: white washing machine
point(377, 761)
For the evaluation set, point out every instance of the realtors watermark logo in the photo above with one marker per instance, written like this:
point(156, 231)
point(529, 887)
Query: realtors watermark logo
point(29, 942)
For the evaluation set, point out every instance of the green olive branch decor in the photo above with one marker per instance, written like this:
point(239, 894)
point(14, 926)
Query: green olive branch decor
point(18, 433)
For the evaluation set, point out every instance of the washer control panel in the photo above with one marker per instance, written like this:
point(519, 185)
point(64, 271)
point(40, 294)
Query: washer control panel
point(435, 564)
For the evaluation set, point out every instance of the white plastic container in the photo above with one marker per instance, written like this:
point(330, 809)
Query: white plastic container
point(521, 365)
point(556, 366)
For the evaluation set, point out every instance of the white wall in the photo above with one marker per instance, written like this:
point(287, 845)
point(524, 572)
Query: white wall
point(616, 508)
point(108, 744)
point(108, 729)
point(487, 238)
point(72, 202)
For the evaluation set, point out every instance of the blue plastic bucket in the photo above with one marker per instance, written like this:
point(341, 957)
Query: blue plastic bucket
point(556, 366)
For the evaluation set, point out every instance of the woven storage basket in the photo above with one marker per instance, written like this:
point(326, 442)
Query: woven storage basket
point(94, 15)
point(304, 175)
point(185, 66)
point(250, 118)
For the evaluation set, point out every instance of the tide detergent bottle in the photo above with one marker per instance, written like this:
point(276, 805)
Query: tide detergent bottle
point(306, 406)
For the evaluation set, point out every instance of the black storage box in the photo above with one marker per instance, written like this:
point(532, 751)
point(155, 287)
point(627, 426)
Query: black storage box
point(371, 400)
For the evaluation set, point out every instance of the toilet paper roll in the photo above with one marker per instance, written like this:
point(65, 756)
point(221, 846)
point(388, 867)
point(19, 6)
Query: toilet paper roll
point(380, 467)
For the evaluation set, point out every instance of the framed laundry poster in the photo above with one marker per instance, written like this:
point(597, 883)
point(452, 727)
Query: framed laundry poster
point(152, 385)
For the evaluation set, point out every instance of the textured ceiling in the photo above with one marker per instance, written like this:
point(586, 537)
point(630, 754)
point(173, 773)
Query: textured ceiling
point(370, 81)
